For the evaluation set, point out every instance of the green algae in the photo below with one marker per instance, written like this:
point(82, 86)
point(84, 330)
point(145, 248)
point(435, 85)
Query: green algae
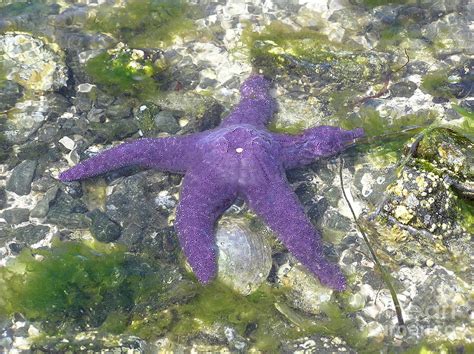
point(376, 125)
point(119, 72)
point(375, 3)
point(76, 286)
point(277, 127)
point(436, 84)
point(467, 125)
point(465, 209)
point(143, 24)
point(73, 285)
point(386, 137)
point(279, 48)
point(446, 150)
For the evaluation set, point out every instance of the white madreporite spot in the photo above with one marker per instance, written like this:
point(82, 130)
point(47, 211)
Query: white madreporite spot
point(239, 150)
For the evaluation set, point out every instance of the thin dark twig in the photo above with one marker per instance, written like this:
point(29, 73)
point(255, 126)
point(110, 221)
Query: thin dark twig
point(383, 272)
point(407, 62)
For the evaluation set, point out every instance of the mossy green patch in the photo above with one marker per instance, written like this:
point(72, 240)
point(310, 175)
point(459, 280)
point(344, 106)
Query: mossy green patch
point(436, 84)
point(467, 126)
point(376, 125)
point(278, 47)
point(293, 129)
point(74, 285)
point(387, 136)
point(143, 23)
point(448, 150)
point(119, 72)
point(375, 3)
point(466, 212)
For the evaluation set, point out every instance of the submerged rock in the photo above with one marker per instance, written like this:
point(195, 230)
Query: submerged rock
point(32, 63)
point(10, 92)
point(102, 228)
point(244, 255)
point(16, 215)
point(429, 207)
point(305, 292)
point(21, 177)
point(447, 151)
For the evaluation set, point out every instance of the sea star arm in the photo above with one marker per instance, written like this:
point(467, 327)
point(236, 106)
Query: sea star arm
point(278, 206)
point(172, 154)
point(302, 149)
point(256, 105)
point(203, 199)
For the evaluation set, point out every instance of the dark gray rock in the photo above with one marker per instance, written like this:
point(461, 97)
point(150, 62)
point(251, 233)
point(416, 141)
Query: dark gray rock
point(209, 118)
point(16, 215)
point(152, 119)
point(42, 207)
point(113, 130)
point(403, 89)
point(68, 212)
point(21, 177)
point(22, 236)
point(120, 109)
point(3, 198)
point(165, 121)
point(133, 205)
point(102, 228)
point(10, 92)
point(96, 115)
point(47, 133)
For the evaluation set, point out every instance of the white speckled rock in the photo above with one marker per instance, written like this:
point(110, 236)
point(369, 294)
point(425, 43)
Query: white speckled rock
point(245, 257)
point(305, 291)
point(32, 63)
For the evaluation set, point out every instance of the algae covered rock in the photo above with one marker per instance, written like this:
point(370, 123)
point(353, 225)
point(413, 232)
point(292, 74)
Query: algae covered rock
point(447, 151)
point(124, 70)
point(430, 206)
point(308, 64)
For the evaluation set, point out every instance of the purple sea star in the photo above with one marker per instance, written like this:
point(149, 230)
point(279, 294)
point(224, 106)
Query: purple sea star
point(240, 158)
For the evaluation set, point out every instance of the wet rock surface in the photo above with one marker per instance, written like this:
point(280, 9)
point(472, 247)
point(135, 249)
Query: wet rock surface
point(21, 177)
point(71, 86)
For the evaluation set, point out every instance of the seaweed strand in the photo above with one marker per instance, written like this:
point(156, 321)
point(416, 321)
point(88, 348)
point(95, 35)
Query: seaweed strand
point(383, 272)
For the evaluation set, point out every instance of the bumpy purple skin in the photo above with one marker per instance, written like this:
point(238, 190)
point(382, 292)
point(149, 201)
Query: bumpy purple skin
point(240, 158)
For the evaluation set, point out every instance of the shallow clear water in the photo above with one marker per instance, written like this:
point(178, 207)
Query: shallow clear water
point(97, 264)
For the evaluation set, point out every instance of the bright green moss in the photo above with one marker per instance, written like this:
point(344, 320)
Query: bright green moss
point(387, 136)
point(143, 23)
point(466, 213)
point(375, 3)
point(278, 45)
point(376, 125)
point(467, 126)
point(119, 72)
point(436, 84)
point(294, 129)
point(74, 285)
point(253, 316)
